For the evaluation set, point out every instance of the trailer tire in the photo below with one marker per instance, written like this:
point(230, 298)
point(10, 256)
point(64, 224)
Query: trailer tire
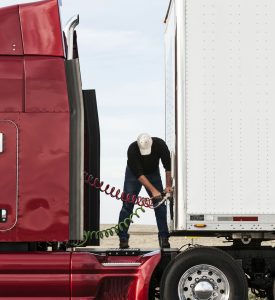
point(200, 272)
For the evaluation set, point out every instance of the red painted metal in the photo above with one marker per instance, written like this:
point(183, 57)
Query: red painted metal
point(33, 95)
point(43, 209)
point(35, 276)
point(91, 280)
point(11, 84)
point(46, 89)
point(44, 178)
point(245, 219)
point(31, 29)
point(10, 32)
point(41, 28)
point(9, 169)
point(75, 276)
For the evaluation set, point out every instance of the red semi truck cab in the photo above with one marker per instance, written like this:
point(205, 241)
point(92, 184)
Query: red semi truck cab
point(49, 138)
point(45, 145)
point(35, 125)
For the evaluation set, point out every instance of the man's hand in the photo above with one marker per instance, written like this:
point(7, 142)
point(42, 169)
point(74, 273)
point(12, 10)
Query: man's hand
point(156, 194)
point(169, 184)
point(168, 189)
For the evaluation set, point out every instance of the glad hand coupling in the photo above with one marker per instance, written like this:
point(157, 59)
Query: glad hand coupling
point(164, 197)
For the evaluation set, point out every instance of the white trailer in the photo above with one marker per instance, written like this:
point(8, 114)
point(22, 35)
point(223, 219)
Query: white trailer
point(220, 126)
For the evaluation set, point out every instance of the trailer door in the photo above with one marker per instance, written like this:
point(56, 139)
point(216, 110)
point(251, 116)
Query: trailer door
point(225, 110)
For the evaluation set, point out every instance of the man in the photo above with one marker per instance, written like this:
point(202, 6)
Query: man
point(143, 170)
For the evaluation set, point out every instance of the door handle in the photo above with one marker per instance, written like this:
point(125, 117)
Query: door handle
point(1, 142)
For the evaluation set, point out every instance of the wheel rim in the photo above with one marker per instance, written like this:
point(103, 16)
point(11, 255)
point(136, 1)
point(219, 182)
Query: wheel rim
point(203, 282)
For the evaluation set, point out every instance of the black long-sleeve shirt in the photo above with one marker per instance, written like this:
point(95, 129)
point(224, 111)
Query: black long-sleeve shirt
point(147, 164)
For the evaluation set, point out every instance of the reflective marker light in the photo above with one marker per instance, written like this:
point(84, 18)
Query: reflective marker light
point(200, 225)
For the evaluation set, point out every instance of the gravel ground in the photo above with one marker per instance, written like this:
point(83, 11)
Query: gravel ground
point(145, 236)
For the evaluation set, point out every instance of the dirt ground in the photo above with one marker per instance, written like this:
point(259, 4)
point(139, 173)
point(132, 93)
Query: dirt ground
point(145, 236)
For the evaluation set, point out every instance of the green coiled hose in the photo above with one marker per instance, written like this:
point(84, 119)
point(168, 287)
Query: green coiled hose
point(109, 231)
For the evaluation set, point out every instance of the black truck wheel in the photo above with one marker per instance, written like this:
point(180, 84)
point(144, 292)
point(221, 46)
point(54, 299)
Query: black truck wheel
point(203, 273)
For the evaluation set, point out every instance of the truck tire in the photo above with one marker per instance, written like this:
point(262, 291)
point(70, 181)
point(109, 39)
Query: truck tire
point(203, 273)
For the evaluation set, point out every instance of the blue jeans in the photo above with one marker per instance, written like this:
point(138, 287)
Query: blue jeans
point(133, 187)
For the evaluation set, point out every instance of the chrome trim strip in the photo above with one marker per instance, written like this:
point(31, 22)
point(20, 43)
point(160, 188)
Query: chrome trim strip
point(1, 142)
point(69, 32)
point(152, 253)
point(132, 264)
point(75, 94)
point(181, 181)
point(17, 173)
point(173, 165)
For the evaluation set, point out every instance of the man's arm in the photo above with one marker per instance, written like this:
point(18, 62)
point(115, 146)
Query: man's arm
point(168, 188)
point(166, 161)
point(148, 185)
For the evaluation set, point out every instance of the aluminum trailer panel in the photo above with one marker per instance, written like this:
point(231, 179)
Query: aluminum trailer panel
point(224, 113)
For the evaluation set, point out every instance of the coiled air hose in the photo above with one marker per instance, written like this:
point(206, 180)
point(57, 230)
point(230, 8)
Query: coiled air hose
point(111, 231)
point(117, 194)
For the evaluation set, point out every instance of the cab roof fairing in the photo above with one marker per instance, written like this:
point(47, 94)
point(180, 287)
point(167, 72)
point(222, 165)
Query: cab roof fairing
point(31, 29)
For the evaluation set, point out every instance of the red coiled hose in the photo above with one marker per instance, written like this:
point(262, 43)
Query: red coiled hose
point(116, 193)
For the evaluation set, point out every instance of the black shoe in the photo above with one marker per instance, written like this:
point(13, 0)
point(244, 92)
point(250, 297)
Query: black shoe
point(123, 244)
point(164, 242)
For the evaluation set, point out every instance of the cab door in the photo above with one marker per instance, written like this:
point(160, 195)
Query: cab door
point(8, 174)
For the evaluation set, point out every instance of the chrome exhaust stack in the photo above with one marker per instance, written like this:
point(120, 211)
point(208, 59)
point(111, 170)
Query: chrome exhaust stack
point(69, 33)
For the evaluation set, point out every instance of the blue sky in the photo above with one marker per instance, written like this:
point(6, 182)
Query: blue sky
point(121, 46)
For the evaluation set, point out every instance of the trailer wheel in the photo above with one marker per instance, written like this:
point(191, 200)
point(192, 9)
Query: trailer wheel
point(203, 273)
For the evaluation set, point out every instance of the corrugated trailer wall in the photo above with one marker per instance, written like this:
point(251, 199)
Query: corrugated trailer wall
point(225, 145)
